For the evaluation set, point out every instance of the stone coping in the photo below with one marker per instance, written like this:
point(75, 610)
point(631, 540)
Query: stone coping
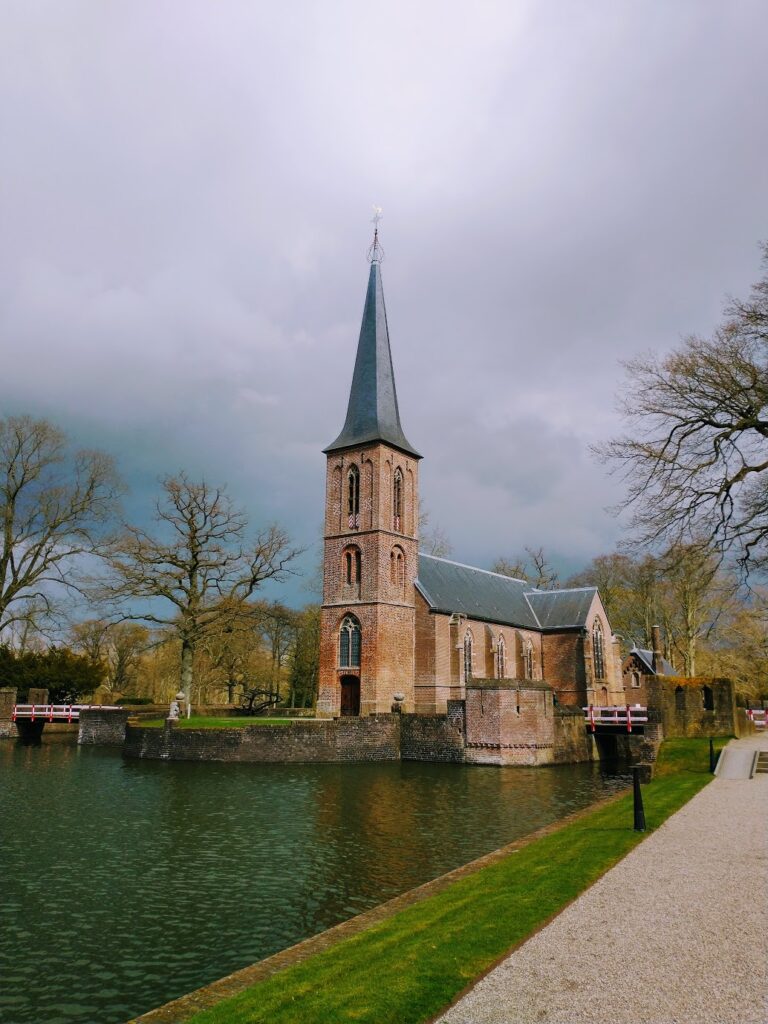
point(180, 1010)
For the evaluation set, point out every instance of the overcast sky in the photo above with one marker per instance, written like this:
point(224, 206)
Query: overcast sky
point(185, 203)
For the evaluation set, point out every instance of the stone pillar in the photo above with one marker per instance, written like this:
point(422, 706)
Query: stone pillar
point(7, 725)
point(37, 695)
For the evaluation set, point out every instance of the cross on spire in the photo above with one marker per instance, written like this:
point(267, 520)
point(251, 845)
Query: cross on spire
point(375, 252)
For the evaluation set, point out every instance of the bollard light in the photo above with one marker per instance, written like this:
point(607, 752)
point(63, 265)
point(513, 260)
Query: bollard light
point(639, 811)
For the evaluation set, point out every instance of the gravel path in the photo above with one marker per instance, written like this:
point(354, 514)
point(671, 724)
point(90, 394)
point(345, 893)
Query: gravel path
point(677, 933)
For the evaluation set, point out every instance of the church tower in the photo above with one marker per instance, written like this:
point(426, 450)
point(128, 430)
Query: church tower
point(371, 535)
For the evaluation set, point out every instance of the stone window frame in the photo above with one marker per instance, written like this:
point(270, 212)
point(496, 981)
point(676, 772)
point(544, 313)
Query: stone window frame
point(350, 642)
point(397, 567)
point(352, 565)
point(353, 496)
point(598, 650)
point(527, 658)
point(707, 698)
point(397, 501)
point(469, 641)
point(501, 657)
point(635, 679)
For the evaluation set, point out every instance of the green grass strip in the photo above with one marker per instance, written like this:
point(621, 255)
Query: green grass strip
point(202, 722)
point(407, 968)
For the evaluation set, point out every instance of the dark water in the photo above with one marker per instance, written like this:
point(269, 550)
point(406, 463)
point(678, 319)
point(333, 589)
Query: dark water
point(126, 883)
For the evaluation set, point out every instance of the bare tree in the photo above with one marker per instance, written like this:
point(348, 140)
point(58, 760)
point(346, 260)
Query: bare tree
point(54, 506)
point(197, 569)
point(533, 567)
point(433, 540)
point(695, 458)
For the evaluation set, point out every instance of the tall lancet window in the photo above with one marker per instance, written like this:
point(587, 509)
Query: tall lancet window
point(501, 658)
point(349, 643)
point(353, 497)
point(527, 659)
point(598, 651)
point(468, 657)
point(397, 502)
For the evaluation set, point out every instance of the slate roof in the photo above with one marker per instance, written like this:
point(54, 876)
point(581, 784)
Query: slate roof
point(452, 587)
point(372, 413)
point(646, 657)
point(558, 609)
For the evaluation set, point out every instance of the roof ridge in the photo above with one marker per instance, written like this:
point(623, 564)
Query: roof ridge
point(474, 568)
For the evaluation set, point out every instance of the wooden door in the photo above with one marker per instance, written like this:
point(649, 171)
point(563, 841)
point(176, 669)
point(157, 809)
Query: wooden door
point(350, 695)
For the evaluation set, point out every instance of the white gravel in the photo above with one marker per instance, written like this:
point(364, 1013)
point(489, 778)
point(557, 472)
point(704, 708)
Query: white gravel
point(677, 933)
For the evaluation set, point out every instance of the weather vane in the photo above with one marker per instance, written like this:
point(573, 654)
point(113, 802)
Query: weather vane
point(375, 252)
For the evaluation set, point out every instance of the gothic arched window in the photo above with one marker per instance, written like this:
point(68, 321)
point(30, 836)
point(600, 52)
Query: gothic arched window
point(397, 502)
point(397, 567)
point(349, 643)
point(468, 656)
point(598, 651)
point(352, 565)
point(501, 658)
point(527, 659)
point(353, 497)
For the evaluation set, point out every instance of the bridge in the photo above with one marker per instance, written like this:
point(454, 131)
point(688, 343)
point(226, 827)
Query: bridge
point(621, 717)
point(55, 712)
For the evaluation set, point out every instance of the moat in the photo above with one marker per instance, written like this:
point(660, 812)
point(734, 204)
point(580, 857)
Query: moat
point(127, 883)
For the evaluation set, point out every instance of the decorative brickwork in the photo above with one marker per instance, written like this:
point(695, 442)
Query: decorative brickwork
point(380, 533)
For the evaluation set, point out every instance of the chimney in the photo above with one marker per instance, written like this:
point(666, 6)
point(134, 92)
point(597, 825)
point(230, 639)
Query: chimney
point(656, 645)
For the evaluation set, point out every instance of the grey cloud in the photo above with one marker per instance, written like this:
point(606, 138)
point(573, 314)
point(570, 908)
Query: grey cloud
point(183, 222)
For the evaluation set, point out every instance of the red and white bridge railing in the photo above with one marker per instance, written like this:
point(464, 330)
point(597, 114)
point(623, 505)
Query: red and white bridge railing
point(757, 717)
point(55, 712)
point(619, 715)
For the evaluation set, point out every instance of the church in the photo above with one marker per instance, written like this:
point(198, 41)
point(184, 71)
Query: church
point(403, 630)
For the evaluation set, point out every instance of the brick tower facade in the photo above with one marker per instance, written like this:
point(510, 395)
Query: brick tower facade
point(371, 536)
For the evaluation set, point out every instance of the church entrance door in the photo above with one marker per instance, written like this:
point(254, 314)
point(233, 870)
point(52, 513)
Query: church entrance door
point(350, 695)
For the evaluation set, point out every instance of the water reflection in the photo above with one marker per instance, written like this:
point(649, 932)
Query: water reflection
point(130, 882)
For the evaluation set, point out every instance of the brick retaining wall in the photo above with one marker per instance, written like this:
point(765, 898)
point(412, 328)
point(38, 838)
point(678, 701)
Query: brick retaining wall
point(374, 738)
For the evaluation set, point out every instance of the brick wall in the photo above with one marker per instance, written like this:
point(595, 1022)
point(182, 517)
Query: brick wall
point(433, 737)
point(563, 655)
point(102, 727)
point(509, 722)
point(383, 604)
point(683, 712)
point(573, 743)
point(375, 738)
point(8, 728)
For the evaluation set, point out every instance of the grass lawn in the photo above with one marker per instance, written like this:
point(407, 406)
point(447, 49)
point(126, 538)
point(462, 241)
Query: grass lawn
point(201, 722)
point(406, 969)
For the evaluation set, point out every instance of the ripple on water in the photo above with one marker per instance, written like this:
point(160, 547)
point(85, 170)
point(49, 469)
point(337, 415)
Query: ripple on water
point(134, 882)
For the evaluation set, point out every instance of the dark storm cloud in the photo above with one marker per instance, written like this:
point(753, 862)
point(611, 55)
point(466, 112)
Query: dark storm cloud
point(185, 194)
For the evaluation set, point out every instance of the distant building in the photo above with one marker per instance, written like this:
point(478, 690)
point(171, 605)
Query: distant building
point(402, 627)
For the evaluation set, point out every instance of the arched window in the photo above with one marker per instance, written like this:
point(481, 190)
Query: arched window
point(397, 502)
point(635, 679)
point(598, 651)
point(527, 659)
point(397, 567)
point(468, 656)
point(349, 643)
point(501, 658)
point(352, 565)
point(707, 698)
point(679, 698)
point(353, 497)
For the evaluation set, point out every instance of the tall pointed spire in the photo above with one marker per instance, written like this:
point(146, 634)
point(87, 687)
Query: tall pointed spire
point(372, 413)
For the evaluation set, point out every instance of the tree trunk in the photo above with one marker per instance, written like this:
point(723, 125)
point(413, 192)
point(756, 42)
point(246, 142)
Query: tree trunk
point(187, 652)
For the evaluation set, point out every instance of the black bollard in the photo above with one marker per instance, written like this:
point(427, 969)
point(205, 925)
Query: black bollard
point(638, 800)
point(711, 756)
